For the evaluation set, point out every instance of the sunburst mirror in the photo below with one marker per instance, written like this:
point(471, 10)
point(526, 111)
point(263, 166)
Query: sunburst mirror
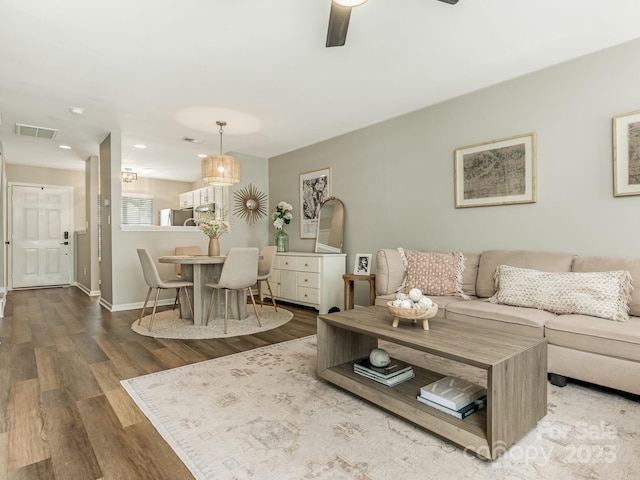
point(251, 204)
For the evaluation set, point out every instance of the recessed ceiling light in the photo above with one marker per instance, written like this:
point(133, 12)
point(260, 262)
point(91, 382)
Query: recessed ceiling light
point(65, 147)
point(140, 145)
point(203, 155)
point(76, 110)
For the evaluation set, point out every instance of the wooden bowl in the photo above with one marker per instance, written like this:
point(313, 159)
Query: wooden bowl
point(414, 314)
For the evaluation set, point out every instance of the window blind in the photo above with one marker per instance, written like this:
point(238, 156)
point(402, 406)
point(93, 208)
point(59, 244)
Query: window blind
point(137, 209)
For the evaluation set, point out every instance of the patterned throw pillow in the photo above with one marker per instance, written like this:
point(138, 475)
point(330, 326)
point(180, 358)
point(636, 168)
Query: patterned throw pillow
point(435, 273)
point(598, 294)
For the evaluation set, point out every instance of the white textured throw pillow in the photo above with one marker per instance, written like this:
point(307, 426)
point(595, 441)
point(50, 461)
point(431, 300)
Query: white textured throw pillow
point(598, 294)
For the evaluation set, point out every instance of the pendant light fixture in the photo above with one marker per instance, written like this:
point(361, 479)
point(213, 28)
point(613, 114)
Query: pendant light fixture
point(220, 169)
point(128, 176)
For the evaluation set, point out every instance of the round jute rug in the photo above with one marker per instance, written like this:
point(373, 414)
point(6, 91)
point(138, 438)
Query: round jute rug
point(168, 324)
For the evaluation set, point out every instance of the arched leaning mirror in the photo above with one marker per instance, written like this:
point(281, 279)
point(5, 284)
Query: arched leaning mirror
point(330, 226)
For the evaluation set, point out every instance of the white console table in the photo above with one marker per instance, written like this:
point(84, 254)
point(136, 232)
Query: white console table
point(310, 279)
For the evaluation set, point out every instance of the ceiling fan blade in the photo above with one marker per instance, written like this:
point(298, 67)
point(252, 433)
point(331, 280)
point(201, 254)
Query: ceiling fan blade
point(338, 25)
point(450, 2)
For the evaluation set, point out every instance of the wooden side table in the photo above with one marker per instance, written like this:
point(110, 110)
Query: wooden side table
point(349, 280)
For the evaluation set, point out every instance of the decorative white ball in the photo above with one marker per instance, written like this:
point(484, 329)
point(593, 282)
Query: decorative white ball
point(415, 294)
point(425, 302)
point(379, 358)
point(401, 296)
point(406, 304)
point(396, 303)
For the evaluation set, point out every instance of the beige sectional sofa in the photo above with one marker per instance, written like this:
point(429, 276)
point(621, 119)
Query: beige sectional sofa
point(583, 347)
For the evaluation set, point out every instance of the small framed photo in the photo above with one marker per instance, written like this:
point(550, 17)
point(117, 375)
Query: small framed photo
point(499, 172)
point(363, 264)
point(626, 154)
point(315, 188)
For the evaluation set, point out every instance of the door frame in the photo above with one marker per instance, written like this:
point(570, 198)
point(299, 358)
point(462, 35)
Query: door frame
point(9, 216)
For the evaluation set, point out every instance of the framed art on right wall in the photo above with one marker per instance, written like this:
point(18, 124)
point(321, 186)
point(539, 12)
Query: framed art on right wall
point(498, 172)
point(626, 154)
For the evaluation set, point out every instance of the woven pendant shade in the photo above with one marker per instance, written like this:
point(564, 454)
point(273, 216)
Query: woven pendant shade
point(221, 170)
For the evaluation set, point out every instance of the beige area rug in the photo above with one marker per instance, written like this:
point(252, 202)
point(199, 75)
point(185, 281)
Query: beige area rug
point(168, 324)
point(263, 414)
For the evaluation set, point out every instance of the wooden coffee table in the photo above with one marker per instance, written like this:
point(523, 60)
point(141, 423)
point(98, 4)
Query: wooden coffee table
point(516, 368)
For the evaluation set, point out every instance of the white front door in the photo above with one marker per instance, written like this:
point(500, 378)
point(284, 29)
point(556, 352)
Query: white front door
point(40, 236)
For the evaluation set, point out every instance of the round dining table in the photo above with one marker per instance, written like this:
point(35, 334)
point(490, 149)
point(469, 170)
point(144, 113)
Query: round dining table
point(202, 269)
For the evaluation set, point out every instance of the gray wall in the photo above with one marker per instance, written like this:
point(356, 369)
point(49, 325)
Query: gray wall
point(396, 178)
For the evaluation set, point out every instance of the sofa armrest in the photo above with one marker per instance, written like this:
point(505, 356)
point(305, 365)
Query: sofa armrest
point(389, 271)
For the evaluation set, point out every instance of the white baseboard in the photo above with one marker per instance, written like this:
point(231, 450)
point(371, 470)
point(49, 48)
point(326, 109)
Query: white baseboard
point(91, 293)
point(134, 306)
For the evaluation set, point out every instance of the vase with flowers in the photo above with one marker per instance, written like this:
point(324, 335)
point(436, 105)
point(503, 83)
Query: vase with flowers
point(281, 217)
point(214, 226)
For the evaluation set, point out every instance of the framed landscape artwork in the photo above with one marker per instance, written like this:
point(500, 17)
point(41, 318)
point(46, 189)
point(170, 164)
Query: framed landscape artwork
point(315, 188)
point(626, 154)
point(499, 172)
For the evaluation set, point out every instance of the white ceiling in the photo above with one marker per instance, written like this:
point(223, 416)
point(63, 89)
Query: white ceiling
point(161, 70)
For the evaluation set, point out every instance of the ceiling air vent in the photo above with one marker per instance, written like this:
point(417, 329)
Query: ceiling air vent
point(38, 132)
point(192, 140)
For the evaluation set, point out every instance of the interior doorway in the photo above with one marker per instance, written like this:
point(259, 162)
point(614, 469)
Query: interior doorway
point(40, 236)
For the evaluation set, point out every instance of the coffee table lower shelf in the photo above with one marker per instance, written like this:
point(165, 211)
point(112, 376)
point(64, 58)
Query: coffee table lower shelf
point(515, 366)
point(469, 433)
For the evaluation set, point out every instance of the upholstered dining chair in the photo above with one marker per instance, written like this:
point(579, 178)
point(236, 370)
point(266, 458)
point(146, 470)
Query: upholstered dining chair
point(239, 272)
point(186, 250)
point(265, 266)
point(153, 280)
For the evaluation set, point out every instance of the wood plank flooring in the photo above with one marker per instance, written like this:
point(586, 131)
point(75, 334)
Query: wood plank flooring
point(64, 415)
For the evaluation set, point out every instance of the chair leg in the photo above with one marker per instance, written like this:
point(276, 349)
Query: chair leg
point(186, 294)
point(213, 292)
point(177, 300)
point(273, 300)
point(226, 301)
point(254, 307)
point(144, 307)
point(260, 293)
point(155, 305)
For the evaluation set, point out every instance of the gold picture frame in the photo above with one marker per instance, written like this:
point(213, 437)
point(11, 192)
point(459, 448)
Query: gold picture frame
point(626, 154)
point(498, 172)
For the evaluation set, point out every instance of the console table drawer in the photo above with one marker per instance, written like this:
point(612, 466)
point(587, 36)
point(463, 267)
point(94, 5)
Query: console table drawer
point(308, 264)
point(308, 295)
point(311, 280)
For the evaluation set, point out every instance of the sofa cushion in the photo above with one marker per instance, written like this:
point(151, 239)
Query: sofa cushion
point(596, 335)
point(434, 273)
point(601, 264)
point(504, 318)
point(599, 294)
point(544, 261)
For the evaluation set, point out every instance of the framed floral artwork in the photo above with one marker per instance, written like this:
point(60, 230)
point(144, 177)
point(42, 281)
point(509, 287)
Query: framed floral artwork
point(315, 188)
point(499, 172)
point(626, 154)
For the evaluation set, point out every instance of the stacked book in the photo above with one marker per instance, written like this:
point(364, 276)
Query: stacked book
point(454, 396)
point(393, 374)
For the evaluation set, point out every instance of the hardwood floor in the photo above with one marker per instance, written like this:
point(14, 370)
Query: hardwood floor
point(64, 414)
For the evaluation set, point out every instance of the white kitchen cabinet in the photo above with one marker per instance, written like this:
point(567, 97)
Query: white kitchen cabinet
point(310, 279)
point(210, 194)
point(186, 200)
